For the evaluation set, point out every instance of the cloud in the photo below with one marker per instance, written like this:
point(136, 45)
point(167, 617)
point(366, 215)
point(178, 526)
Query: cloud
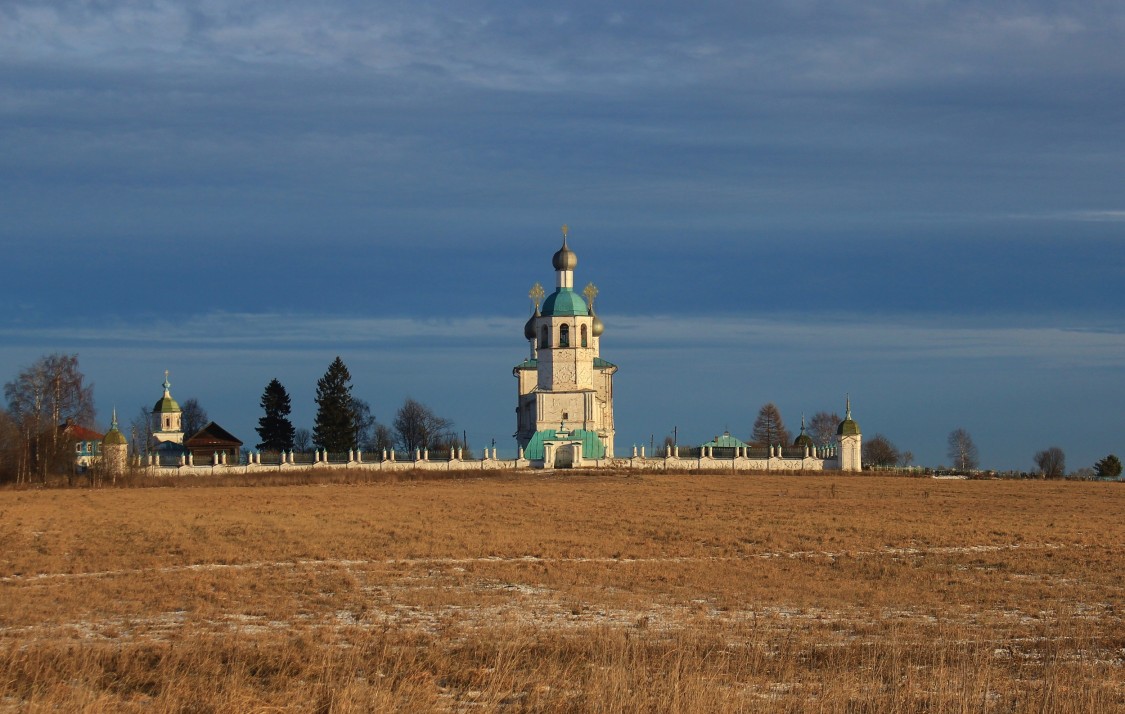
point(588, 47)
point(847, 338)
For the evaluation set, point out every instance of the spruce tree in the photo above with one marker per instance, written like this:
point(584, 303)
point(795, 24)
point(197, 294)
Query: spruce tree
point(335, 428)
point(275, 429)
point(1109, 467)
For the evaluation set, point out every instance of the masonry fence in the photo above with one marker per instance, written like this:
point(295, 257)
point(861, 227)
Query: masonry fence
point(774, 458)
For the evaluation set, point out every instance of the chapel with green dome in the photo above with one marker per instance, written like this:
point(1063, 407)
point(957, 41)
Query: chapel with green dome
point(167, 422)
point(564, 410)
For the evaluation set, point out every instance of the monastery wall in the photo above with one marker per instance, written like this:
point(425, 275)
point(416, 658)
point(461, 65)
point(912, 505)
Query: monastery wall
point(491, 463)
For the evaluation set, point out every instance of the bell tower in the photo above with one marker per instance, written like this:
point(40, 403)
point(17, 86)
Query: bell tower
point(167, 427)
point(565, 387)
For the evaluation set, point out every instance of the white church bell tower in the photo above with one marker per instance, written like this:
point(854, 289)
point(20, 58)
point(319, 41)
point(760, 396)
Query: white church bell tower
point(564, 413)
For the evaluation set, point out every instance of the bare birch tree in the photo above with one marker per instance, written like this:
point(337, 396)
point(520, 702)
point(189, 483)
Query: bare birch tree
point(822, 428)
point(40, 399)
point(962, 450)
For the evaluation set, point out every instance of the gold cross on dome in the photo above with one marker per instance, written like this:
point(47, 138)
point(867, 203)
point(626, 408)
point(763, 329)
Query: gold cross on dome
point(591, 292)
point(536, 294)
point(565, 230)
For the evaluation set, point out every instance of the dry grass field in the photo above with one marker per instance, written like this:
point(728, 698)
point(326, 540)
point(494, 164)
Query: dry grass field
point(570, 592)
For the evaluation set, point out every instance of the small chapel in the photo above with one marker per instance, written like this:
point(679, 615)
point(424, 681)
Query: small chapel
point(564, 409)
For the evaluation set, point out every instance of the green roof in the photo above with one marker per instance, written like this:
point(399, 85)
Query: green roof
point(592, 447)
point(847, 428)
point(600, 363)
point(528, 364)
point(165, 405)
point(113, 436)
point(726, 441)
point(564, 302)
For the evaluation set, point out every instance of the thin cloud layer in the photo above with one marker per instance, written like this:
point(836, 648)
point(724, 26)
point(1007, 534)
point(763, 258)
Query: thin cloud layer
point(1065, 346)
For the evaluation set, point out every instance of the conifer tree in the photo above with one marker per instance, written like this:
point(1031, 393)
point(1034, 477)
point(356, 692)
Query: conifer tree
point(275, 429)
point(1109, 467)
point(335, 428)
point(768, 429)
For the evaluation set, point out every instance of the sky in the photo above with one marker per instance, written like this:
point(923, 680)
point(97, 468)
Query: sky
point(919, 204)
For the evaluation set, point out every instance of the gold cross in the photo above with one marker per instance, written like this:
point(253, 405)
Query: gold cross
point(536, 294)
point(565, 230)
point(591, 292)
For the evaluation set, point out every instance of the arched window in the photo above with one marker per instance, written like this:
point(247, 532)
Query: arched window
point(564, 335)
point(545, 337)
point(167, 422)
point(584, 336)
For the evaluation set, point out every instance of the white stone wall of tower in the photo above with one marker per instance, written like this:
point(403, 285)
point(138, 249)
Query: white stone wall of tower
point(851, 448)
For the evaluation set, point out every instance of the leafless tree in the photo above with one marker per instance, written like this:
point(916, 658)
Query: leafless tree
point(879, 451)
point(9, 446)
point(193, 418)
point(382, 438)
point(768, 427)
point(364, 424)
point(302, 441)
point(41, 398)
point(822, 428)
point(962, 450)
point(1051, 462)
point(417, 427)
point(140, 432)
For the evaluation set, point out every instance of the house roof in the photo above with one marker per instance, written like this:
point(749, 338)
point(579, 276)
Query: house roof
point(79, 432)
point(212, 435)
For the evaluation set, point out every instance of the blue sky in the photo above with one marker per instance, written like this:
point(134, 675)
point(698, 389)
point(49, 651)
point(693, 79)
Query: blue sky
point(917, 203)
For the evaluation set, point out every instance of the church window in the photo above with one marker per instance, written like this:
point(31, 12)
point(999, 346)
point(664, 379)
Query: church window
point(167, 422)
point(583, 335)
point(545, 339)
point(564, 336)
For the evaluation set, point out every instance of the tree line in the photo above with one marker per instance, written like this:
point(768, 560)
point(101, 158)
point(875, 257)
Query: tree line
point(345, 422)
point(53, 392)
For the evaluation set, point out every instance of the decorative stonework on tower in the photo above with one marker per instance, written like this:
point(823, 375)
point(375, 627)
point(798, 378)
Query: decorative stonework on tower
point(564, 413)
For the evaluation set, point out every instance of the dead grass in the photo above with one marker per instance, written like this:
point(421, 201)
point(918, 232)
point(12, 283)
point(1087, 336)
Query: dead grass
point(572, 592)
